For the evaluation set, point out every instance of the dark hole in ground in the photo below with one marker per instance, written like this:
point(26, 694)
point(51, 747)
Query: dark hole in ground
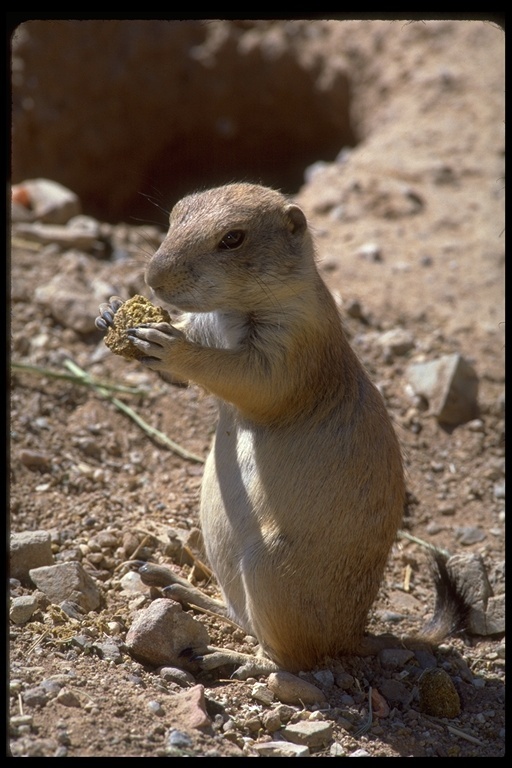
point(266, 133)
point(276, 158)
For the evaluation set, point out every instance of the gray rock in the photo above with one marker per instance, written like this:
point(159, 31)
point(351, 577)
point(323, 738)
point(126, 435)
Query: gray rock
point(370, 251)
point(131, 583)
point(494, 616)
point(22, 608)
point(179, 739)
point(469, 534)
point(29, 549)
point(425, 659)
point(36, 696)
point(450, 385)
point(290, 689)
point(271, 720)
point(325, 677)
point(391, 658)
point(80, 237)
point(310, 733)
point(261, 693)
point(109, 650)
point(396, 692)
point(67, 581)
point(72, 610)
point(176, 675)
point(164, 635)
point(396, 341)
point(68, 302)
point(280, 749)
point(68, 698)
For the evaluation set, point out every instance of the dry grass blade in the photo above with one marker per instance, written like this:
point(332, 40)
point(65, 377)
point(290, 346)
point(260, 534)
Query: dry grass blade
point(368, 722)
point(78, 376)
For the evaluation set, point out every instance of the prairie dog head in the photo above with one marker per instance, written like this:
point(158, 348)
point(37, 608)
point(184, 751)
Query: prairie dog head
point(236, 247)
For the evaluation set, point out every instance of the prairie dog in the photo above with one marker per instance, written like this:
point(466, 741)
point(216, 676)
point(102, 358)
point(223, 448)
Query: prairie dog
point(303, 490)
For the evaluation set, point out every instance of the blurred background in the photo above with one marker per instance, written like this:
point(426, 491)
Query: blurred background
point(123, 111)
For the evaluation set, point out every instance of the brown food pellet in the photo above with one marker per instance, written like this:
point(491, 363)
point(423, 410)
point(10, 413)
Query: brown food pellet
point(133, 312)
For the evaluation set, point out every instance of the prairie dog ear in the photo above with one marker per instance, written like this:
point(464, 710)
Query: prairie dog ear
point(296, 220)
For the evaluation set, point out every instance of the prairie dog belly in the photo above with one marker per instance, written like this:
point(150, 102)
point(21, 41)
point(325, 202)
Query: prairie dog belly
point(229, 519)
point(298, 527)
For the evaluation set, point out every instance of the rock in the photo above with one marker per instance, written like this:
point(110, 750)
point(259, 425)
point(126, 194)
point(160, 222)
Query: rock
point(354, 309)
point(70, 303)
point(391, 658)
point(438, 695)
point(29, 549)
point(309, 733)
point(189, 708)
point(66, 237)
point(290, 689)
point(495, 616)
point(176, 675)
point(325, 677)
point(109, 650)
point(155, 708)
point(37, 696)
point(379, 704)
point(404, 602)
point(280, 749)
point(131, 583)
point(396, 692)
point(72, 610)
point(164, 635)
point(67, 698)
point(344, 680)
point(471, 577)
point(397, 342)
point(469, 534)
point(425, 658)
point(178, 739)
point(271, 720)
point(22, 608)
point(370, 252)
point(43, 200)
point(36, 460)
point(450, 385)
point(261, 693)
point(67, 581)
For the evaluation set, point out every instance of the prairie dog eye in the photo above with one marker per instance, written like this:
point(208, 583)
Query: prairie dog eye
point(231, 240)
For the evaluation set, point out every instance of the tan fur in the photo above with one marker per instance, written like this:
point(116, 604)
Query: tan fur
point(303, 490)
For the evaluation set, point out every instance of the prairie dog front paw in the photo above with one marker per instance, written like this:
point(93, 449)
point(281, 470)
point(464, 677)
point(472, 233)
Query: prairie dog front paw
point(131, 313)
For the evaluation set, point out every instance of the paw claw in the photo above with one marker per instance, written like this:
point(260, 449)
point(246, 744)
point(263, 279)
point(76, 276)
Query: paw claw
point(107, 312)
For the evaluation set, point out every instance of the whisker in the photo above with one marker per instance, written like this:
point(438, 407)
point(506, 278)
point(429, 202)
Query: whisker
point(154, 201)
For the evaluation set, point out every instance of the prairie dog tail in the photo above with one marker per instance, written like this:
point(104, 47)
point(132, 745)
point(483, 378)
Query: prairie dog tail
point(451, 611)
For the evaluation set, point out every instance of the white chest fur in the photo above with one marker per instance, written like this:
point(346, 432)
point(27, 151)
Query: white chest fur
point(223, 330)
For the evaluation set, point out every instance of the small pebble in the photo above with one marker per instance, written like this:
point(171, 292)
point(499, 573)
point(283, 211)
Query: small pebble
point(156, 708)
